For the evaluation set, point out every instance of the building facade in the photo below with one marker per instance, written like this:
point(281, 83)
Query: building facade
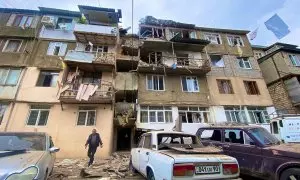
point(280, 66)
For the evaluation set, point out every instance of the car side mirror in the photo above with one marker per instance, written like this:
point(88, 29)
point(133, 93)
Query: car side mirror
point(54, 150)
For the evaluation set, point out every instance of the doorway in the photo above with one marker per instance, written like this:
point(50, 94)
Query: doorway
point(124, 139)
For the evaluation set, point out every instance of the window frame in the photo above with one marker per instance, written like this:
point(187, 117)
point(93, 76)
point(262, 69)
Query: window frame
point(150, 137)
point(253, 85)
point(148, 110)
point(61, 44)
point(191, 77)
point(3, 106)
point(219, 84)
point(152, 75)
point(6, 78)
point(189, 110)
point(243, 59)
point(222, 58)
point(93, 109)
point(221, 133)
point(215, 35)
point(6, 44)
point(52, 74)
point(262, 110)
point(22, 15)
point(294, 59)
point(236, 113)
point(56, 25)
point(38, 116)
point(241, 43)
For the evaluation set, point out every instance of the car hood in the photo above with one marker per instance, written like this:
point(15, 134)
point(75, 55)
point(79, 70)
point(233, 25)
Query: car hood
point(287, 150)
point(16, 162)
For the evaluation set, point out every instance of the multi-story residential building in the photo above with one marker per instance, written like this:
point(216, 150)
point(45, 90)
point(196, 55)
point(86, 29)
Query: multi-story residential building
point(280, 67)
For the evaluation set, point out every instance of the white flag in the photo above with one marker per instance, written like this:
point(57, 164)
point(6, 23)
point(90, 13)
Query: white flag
point(253, 34)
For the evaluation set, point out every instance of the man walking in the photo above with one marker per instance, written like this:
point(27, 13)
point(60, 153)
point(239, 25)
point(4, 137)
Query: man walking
point(93, 141)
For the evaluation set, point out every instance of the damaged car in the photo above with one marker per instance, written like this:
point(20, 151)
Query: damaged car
point(26, 155)
point(176, 155)
point(259, 153)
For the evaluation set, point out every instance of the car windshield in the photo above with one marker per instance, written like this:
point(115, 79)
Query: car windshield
point(22, 141)
point(263, 136)
point(177, 139)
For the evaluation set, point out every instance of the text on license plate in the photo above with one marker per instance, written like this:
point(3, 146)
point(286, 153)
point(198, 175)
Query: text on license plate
point(207, 169)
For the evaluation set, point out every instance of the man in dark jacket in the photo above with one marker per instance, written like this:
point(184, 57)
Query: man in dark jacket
point(93, 141)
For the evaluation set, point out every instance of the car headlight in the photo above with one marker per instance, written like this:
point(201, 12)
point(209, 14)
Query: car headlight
point(27, 174)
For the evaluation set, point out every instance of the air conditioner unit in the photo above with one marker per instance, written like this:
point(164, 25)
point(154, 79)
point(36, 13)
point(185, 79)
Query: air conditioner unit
point(48, 21)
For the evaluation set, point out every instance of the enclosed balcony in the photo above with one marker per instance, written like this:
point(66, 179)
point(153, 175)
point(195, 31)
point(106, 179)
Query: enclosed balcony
point(96, 34)
point(16, 31)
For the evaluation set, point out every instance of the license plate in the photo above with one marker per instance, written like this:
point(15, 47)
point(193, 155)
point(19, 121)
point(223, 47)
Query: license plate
point(207, 169)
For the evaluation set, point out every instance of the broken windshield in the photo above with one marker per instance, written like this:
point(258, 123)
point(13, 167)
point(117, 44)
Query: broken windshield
point(19, 141)
point(263, 136)
point(175, 139)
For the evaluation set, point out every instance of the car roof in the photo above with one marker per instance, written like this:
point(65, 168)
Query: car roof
point(230, 126)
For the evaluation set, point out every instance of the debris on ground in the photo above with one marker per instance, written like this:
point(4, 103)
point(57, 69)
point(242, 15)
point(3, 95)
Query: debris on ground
point(114, 167)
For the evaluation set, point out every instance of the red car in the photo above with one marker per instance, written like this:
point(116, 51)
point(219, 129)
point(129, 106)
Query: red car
point(259, 153)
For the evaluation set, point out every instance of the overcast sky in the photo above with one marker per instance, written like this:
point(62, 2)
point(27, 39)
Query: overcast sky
point(233, 14)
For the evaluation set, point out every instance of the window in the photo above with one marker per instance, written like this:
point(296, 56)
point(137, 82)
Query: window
point(248, 140)
point(23, 21)
point(51, 144)
point(251, 88)
point(9, 76)
point(244, 63)
point(295, 60)
point(64, 23)
point(182, 59)
point(258, 115)
point(225, 86)
point(156, 114)
point(169, 138)
point(155, 82)
point(189, 84)
point(141, 142)
point(212, 135)
point(57, 49)
point(193, 114)
point(263, 136)
point(3, 108)
point(98, 49)
point(217, 60)
point(147, 142)
point(235, 114)
point(258, 55)
point(12, 45)
point(47, 79)
point(86, 116)
point(275, 127)
point(213, 38)
point(235, 40)
point(234, 136)
point(38, 115)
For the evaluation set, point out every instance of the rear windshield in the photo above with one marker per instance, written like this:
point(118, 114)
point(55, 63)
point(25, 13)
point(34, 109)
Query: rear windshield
point(177, 139)
point(30, 142)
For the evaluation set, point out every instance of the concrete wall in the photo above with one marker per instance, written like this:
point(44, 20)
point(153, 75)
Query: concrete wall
point(126, 81)
point(173, 93)
point(66, 135)
point(240, 96)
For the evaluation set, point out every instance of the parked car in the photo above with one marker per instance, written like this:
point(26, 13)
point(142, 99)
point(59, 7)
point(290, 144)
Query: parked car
point(176, 155)
point(26, 155)
point(258, 152)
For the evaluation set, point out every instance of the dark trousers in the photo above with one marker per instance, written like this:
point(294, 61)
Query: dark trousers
point(91, 152)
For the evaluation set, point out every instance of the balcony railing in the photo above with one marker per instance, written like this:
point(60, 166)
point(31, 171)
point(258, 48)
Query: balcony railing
point(88, 28)
point(88, 94)
point(90, 57)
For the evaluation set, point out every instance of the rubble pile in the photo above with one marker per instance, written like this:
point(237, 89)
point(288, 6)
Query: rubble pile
point(114, 167)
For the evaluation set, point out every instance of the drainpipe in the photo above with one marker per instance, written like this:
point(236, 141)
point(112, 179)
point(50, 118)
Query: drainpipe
point(14, 100)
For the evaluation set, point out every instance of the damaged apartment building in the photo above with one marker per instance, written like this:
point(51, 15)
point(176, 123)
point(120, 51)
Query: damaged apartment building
point(67, 72)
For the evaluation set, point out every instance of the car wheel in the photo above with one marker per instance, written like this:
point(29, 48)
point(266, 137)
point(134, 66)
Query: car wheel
point(290, 174)
point(150, 175)
point(131, 168)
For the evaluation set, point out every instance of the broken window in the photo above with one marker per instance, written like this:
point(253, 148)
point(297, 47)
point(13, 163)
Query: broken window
point(244, 63)
point(213, 38)
point(152, 114)
point(235, 40)
point(224, 86)
point(9, 76)
point(153, 32)
point(86, 116)
point(217, 60)
point(193, 114)
point(155, 82)
point(3, 107)
point(47, 78)
point(23, 21)
point(258, 115)
point(155, 58)
point(175, 32)
point(182, 59)
point(295, 60)
point(251, 87)
point(235, 114)
point(211, 135)
point(57, 49)
point(64, 23)
point(12, 45)
point(38, 115)
point(189, 84)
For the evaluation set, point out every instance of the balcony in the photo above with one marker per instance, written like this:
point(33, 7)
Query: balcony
point(11, 31)
point(175, 65)
point(125, 114)
point(96, 34)
point(87, 93)
point(100, 58)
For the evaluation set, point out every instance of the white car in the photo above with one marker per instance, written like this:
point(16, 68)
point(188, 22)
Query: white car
point(162, 155)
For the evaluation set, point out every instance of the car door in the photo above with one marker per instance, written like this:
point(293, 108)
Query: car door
point(238, 144)
point(145, 153)
point(135, 155)
point(211, 137)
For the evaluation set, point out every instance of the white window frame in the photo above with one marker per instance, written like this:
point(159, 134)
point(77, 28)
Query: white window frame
point(86, 116)
point(232, 112)
point(214, 36)
point(261, 110)
point(243, 60)
point(148, 110)
point(190, 77)
point(240, 41)
point(5, 81)
point(6, 43)
point(164, 88)
point(222, 57)
point(38, 117)
point(201, 112)
point(294, 59)
point(52, 73)
point(57, 44)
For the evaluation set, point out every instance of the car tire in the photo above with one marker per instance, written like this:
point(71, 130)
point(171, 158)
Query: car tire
point(290, 174)
point(150, 175)
point(131, 168)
